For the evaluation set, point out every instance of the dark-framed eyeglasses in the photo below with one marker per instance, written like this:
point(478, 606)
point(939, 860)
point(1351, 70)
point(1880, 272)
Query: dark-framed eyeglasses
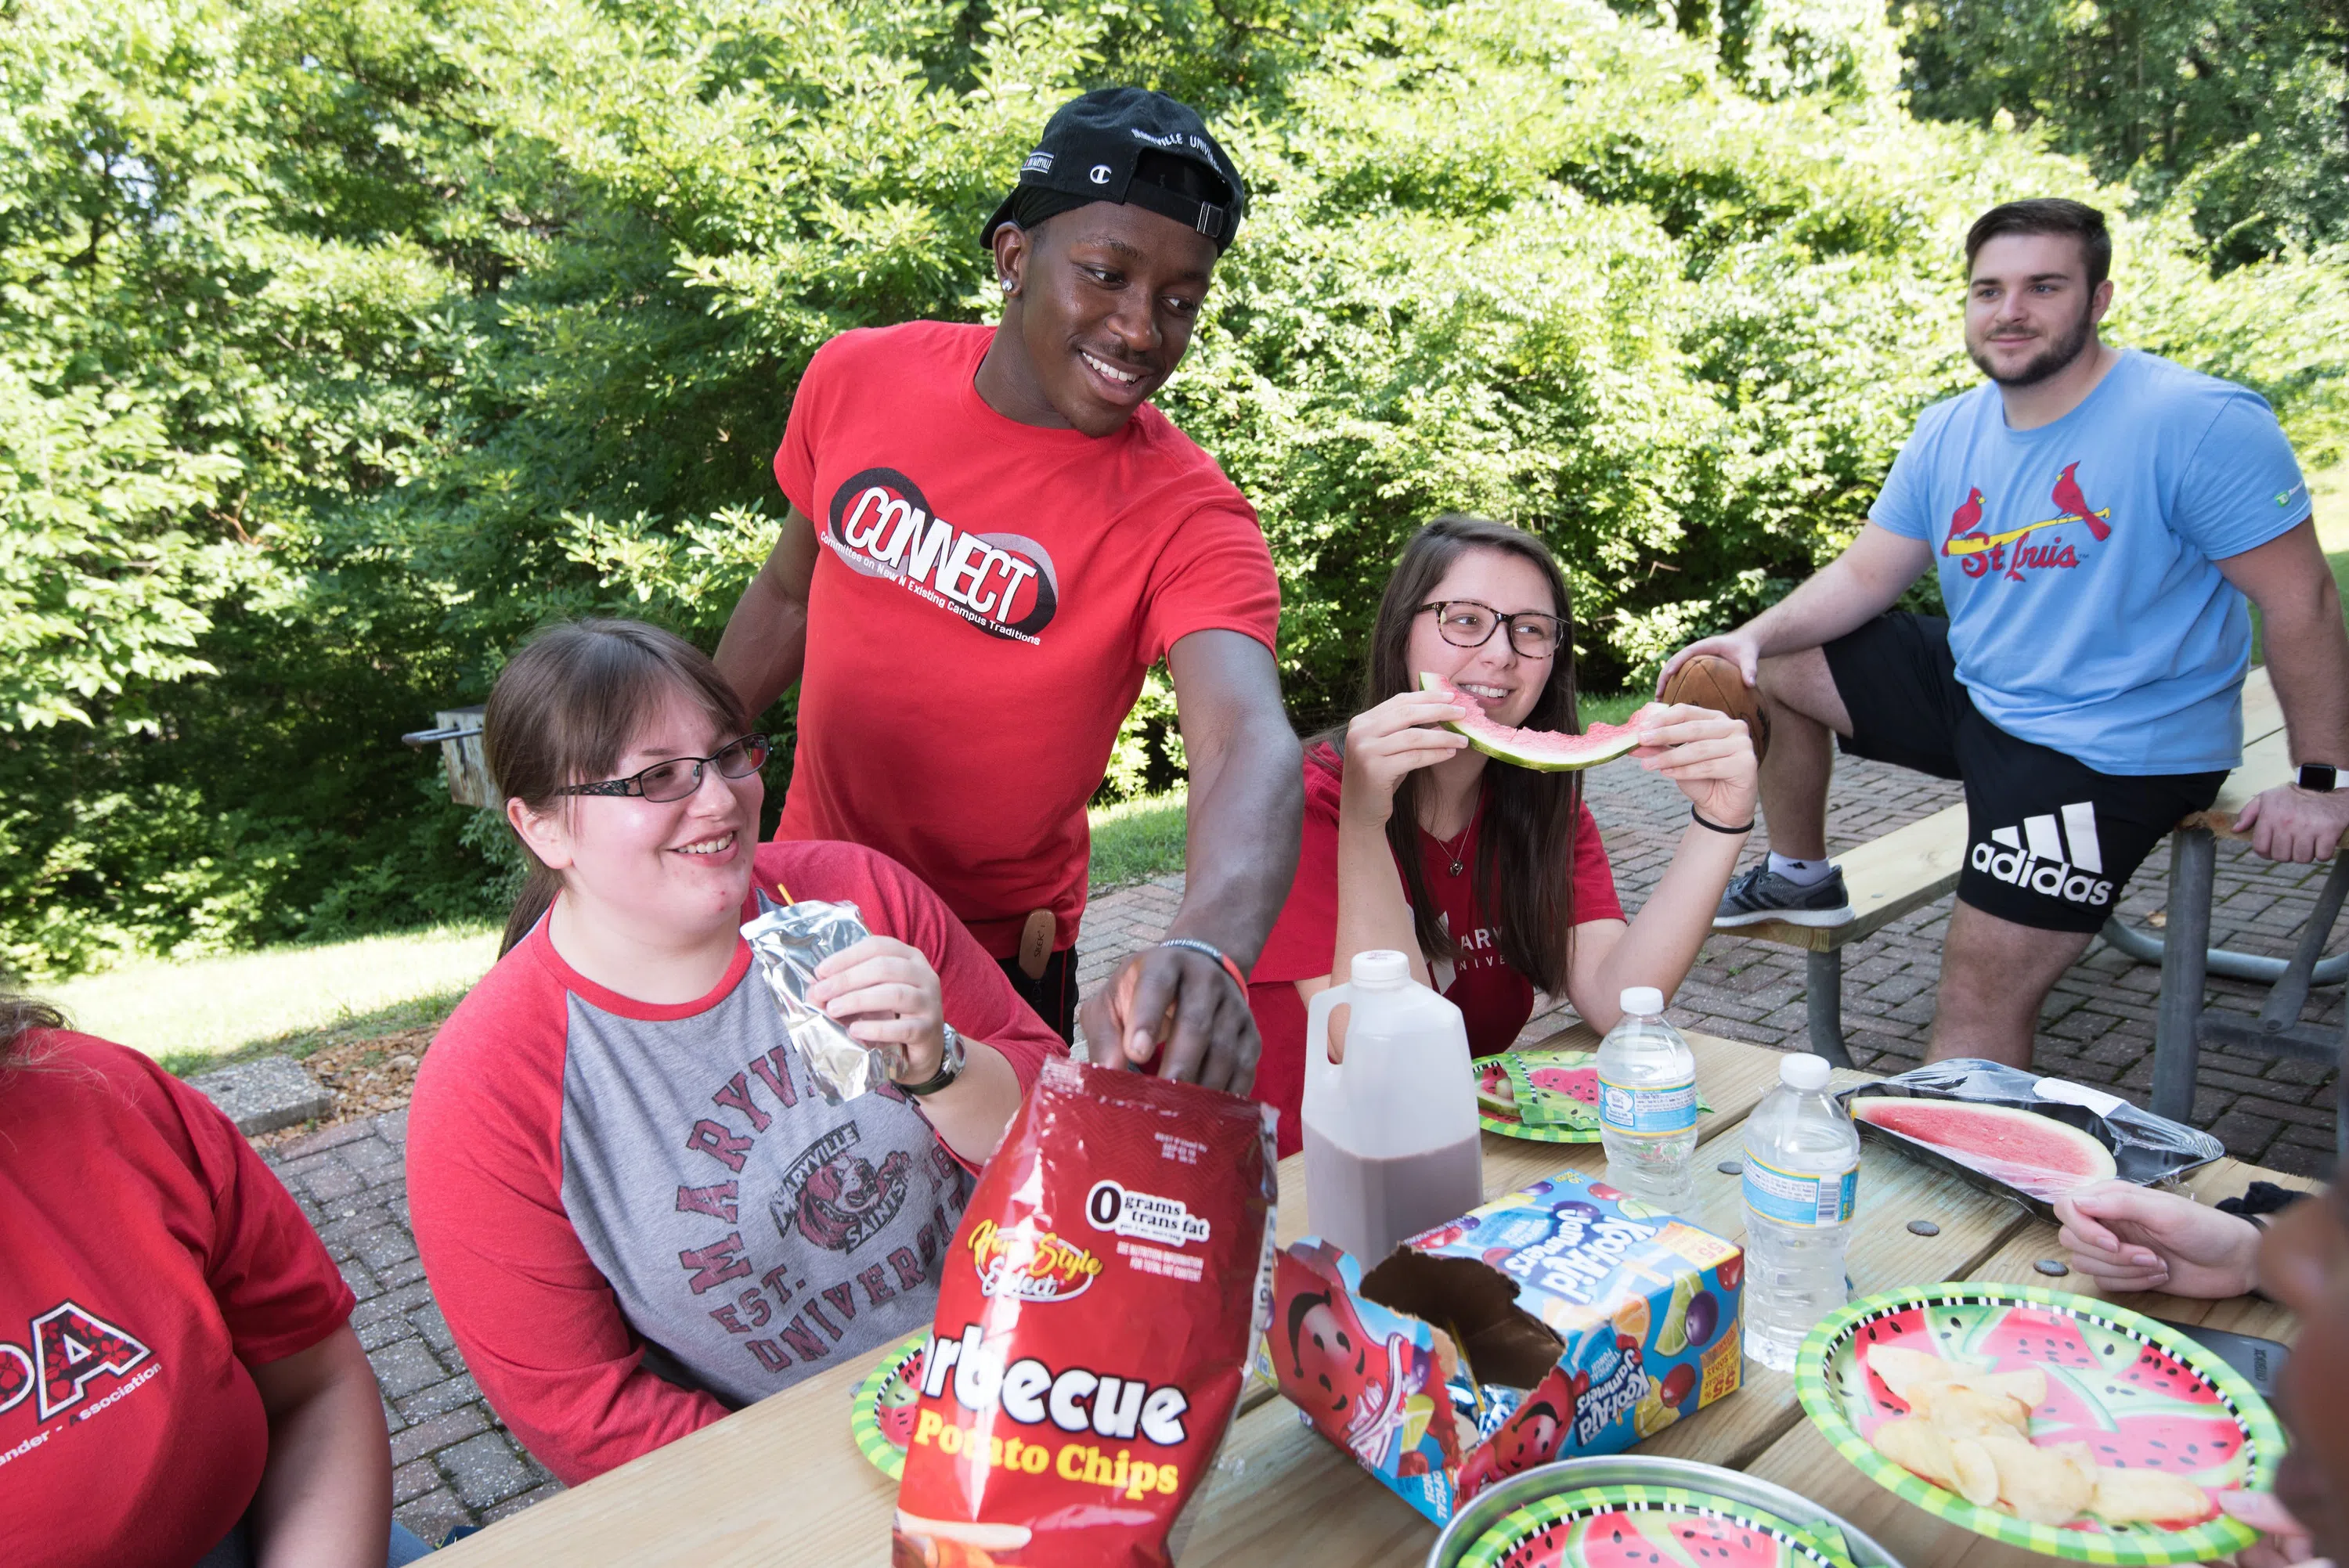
point(1465, 624)
point(678, 777)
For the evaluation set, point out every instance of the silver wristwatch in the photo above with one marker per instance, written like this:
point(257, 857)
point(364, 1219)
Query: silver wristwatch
point(950, 1064)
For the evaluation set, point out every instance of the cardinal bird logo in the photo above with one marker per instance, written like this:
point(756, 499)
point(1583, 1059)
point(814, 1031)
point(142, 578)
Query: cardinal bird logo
point(1979, 553)
point(1966, 519)
point(2074, 504)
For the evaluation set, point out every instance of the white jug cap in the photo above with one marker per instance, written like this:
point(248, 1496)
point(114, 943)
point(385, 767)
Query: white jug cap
point(1643, 1000)
point(1381, 966)
point(1805, 1072)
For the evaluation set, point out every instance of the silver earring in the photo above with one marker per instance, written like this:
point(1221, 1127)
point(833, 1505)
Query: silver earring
point(1008, 287)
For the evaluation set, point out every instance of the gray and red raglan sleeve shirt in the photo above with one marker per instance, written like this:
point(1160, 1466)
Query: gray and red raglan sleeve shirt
point(637, 1218)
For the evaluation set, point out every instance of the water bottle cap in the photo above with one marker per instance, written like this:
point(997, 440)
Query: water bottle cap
point(1381, 966)
point(1643, 1000)
point(1807, 1073)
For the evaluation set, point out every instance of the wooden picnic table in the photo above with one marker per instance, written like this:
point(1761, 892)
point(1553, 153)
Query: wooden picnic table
point(782, 1482)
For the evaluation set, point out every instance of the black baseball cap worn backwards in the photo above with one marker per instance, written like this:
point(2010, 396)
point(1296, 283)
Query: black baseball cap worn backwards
point(1128, 145)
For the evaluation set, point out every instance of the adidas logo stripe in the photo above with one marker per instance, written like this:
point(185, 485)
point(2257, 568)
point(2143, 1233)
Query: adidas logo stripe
point(2060, 860)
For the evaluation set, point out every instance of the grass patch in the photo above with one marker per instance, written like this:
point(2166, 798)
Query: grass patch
point(193, 1012)
point(2328, 493)
point(418, 1013)
point(1610, 706)
point(1135, 841)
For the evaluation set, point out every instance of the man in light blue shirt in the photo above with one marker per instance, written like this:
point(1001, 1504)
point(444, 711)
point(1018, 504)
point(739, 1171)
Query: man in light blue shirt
point(2097, 517)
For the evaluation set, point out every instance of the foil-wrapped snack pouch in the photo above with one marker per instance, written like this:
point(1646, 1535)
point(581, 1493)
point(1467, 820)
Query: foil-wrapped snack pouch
point(789, 940)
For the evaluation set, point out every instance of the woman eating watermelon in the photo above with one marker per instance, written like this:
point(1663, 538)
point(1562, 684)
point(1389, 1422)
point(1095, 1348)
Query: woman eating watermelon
point(1491, 876)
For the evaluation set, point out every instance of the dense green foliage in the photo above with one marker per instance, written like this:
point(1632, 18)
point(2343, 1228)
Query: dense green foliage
point(2236, 111)
point(342, 344)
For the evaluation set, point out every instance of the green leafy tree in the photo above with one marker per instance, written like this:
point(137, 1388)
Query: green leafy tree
point(343, 345)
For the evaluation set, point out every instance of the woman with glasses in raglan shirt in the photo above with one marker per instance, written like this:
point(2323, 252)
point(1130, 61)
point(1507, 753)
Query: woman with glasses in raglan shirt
point(637, 1208)
point(1491, 877)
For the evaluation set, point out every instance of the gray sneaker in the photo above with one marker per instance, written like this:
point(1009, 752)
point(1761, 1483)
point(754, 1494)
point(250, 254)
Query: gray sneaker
point(1763, 894)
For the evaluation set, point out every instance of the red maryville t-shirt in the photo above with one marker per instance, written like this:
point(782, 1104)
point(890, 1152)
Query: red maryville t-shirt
point(147, 1259)
point(989, 597)
point(1495, 1000)
point(635, 1217)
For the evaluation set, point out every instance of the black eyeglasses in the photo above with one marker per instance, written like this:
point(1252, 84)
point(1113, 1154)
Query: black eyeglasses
point(681, 776)
point(1465, 624)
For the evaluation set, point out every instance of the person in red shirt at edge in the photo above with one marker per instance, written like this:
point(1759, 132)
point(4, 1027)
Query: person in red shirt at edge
point(1492, 877)
point(991, 536)
point(637, 1208)
point(178, 1381)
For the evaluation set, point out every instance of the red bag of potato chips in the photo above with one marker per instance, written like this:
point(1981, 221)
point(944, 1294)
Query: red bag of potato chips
point(1095, 1316)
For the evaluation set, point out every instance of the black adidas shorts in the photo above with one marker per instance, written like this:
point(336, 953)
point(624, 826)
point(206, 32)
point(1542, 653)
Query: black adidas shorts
point(2050, 841)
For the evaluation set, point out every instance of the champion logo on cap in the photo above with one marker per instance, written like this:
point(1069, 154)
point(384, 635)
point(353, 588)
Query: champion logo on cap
point(1101, 173)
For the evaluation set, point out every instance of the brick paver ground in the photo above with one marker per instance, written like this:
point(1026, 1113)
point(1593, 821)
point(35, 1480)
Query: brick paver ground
point(457, 1464)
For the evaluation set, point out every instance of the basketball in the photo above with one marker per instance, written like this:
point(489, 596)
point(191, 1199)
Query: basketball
point(1705, 681)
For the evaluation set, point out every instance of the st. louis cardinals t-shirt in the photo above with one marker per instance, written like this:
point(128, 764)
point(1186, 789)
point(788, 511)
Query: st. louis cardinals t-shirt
point(1495, 1000)
point(636, 1216)
point(147, 1259)
point(988, 599)
point(2076, 559)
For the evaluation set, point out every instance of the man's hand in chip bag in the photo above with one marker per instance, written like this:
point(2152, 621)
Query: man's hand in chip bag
point(1179, 1006)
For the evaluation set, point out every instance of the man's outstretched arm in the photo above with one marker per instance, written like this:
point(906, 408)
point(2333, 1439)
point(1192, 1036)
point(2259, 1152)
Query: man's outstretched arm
point(1845, 594)
point(765, 642)
point(2308, 659)
point(1247, 802)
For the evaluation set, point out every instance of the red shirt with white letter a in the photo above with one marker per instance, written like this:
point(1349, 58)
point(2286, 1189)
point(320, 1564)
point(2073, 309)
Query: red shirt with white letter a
point(989, 597)
point(147, 1258)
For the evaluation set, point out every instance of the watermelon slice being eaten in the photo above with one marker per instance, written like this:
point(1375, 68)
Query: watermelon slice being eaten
point(2034, 1154)
point(1543, 751)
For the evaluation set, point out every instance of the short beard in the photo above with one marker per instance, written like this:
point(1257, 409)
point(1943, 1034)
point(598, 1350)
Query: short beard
point(2051, 362)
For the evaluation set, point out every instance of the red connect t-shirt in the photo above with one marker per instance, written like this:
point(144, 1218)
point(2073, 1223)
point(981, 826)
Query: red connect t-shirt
point(638, 1216)
point(1495, 1000)
point(988, 599)
point(147, 1259)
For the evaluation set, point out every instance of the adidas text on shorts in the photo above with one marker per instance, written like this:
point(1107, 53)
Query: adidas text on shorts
point(2050, 841)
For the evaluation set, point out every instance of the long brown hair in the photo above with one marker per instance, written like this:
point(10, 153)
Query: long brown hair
point(1530, 817)
point(565, 709)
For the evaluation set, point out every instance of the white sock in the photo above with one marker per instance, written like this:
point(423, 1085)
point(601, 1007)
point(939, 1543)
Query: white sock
point(1801, 873)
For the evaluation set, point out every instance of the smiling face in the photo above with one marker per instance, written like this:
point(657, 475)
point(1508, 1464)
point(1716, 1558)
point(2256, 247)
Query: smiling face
point(1104, 298)
point(675, 871)
point(2304, 1264)
point(1504, 682)
point(2030, 311)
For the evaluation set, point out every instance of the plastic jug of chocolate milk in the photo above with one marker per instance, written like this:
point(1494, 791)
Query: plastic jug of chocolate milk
point(1391, 1147)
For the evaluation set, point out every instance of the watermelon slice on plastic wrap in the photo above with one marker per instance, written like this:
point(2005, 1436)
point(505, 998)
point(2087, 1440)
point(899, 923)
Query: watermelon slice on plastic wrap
point(2034, 1154)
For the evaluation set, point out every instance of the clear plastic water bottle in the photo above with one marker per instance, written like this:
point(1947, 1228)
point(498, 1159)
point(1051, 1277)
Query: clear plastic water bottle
point(1647, 1104)
point(1802, 1179)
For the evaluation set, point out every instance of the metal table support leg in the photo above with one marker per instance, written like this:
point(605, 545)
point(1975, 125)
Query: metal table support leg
point(1823, 994)
point(2177, 1025)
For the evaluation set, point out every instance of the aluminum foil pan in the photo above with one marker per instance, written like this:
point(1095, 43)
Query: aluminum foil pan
point(789, 940)
point(1487, 1508)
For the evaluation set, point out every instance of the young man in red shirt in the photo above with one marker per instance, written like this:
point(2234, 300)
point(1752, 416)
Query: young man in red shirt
point(991, 538)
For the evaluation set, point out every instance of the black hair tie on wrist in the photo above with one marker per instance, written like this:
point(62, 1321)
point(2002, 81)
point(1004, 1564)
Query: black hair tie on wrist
point(1716, 827)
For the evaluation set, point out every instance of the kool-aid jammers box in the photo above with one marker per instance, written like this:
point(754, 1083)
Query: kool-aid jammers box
point(1562, 1321)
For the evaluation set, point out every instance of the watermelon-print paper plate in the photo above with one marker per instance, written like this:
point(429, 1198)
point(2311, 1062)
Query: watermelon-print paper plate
point(1562, 1085)
point(1646, 1527)
point(881, 1416)
point(2142, 1396)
